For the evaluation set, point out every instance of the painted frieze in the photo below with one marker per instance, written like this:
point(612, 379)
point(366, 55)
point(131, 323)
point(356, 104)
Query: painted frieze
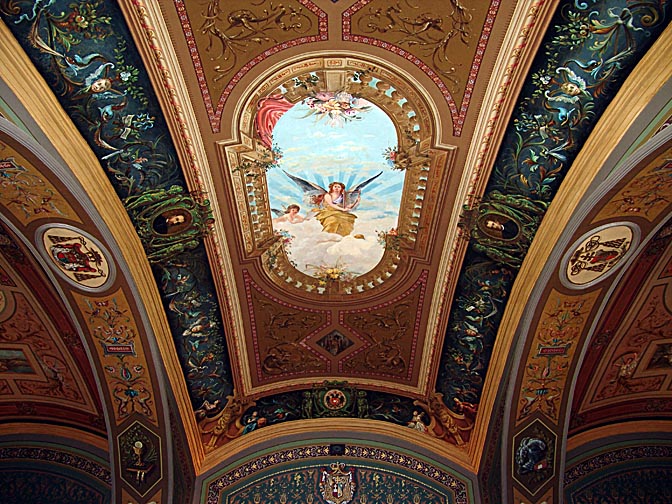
point(391, 334)
point(34, 362)
point(362, 475)
point(117, 343)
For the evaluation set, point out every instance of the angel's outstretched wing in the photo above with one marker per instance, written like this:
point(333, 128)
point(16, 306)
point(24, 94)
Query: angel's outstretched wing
point(355, 195)
point(312, 193)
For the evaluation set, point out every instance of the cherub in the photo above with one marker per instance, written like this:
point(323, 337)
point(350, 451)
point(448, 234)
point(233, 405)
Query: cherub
point(290, 214)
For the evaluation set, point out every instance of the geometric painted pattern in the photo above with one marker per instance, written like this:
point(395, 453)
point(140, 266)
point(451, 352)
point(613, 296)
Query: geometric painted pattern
point(51, 474)
point(626, 475)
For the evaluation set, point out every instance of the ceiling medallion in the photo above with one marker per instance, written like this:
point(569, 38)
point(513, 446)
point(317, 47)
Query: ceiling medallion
point(534, 460)
point(334, 400)
point(76, 256)
point(332, 175)
point(598, 254)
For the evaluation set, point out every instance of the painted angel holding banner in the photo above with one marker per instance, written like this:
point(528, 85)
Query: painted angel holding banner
point(333, 207)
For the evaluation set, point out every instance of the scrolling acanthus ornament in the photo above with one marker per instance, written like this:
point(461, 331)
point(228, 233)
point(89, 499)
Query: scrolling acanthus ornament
point(241, 31)
point(446, 424)
point(432, 35)
point(225, 424)
point(169, 221)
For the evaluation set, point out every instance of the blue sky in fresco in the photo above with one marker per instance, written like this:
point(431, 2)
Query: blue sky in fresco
point(351, 152)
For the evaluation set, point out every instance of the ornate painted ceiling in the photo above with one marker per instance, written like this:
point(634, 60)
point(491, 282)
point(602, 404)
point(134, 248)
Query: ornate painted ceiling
point(246, 245)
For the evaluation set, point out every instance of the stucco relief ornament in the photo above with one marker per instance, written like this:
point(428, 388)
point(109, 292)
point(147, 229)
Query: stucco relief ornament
point(503, 225)
point(218, 426)
point(169, 221)
point(337, 485)
point(446, 424)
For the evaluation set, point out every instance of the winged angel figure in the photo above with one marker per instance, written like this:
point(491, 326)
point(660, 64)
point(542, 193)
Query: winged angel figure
point(333, 207)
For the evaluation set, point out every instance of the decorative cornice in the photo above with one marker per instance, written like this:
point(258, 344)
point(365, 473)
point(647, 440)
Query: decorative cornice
point(353, 453)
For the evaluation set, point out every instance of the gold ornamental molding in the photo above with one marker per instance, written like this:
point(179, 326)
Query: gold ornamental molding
point(641, 88)
point(354, 429)
point(609, 432)
point(522, 38)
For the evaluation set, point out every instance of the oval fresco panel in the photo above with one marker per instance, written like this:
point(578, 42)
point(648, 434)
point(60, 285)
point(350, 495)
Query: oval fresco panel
point(335, 193)
point(77, 256)
point(598, 254)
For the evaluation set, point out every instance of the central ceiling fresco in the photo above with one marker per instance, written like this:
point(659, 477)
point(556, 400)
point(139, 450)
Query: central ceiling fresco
point(316, 185)
point(334, 184)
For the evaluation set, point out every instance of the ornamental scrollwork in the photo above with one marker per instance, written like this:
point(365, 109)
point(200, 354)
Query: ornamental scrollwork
point(386, 331)
point(113, 328)
point(453, 427)
point(220, 424)
point(232, 33)
point(169, 221)
point(432, 34)
point(502, 226)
